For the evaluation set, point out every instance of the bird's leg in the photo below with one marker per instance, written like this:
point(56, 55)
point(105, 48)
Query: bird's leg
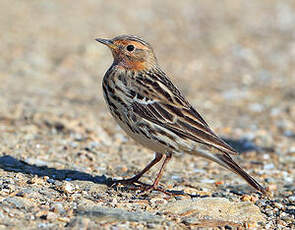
point(158, 157)
point(154, 186)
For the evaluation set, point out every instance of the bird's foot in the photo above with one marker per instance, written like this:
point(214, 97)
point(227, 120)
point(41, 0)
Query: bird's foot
point(129, 181)
point(135, 184)
point(146, 189)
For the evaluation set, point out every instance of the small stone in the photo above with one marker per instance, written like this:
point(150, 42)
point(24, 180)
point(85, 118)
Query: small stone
point(51, 181)
point(158, 201)
point(42, 214)
point(246, 197)
point(63, 219)
point(21, 194)
point(151, 225)
point(117, 214)
point(35, 161)
point(73, 144)
point(78, 137)
point(191, 191)
point(272, 187)
point(207, 181)
point(17, 202)
point(255, 107)
point(122, 138)
point(249, 198)
point(291, 149)
point(279, 205)
point(269, 166)
point(114, 201)
point(291, 199)
point(219, 182)
point(79, 223)
point(251, 225)
point(94, 144)
point(58, 208)
point(36, 180)
point(215, 208)
point(68, 187)
point(51, 216)
point(44, 225)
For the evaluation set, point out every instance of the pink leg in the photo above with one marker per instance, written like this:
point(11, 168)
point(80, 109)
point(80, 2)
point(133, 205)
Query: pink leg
point(158, 157)
point(156, 182)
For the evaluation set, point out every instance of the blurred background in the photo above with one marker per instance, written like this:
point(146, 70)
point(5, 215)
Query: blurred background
point(234, 60)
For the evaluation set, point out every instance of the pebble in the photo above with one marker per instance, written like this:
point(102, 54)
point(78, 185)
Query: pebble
point(215, 208)
point(269, 166)
point(73, 144)
point(279, 205)
point(51, 216)
point(68, 187)
point(249, 198)
point(157, 201)
point(272, 187)
point(116, 214)
point(207, 181)
point(58, 208)
point(36, 161)
point(255, 107)
point(94, 144)
point(51, 181)
point(291, 199)
point(15, 202)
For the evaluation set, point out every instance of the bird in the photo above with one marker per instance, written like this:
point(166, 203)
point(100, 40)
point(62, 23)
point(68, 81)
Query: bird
point(155, 113)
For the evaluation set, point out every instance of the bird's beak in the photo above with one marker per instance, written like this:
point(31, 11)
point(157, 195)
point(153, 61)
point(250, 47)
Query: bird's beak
point(106, 42)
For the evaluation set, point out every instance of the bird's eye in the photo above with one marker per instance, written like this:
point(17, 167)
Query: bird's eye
point(130, 48)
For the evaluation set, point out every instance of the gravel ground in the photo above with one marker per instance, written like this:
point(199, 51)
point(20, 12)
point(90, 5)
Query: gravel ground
point(234, 60)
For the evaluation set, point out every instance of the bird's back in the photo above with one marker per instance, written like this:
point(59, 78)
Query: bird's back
point(147, 103)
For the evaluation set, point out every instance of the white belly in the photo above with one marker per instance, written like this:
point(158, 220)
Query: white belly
point(149, 143)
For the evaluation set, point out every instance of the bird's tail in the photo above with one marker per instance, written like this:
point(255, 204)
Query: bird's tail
point(226, 161)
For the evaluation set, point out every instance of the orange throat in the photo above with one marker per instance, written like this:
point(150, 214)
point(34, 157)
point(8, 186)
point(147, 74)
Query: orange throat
point(133, 65)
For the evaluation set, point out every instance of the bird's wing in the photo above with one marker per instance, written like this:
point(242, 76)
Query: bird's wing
point(181, 121)
point(161, 103)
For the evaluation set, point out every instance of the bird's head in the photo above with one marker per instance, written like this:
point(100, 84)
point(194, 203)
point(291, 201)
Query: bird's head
point(130, 52)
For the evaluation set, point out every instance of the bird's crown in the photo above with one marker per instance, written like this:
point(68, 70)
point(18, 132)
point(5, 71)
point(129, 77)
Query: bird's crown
point(131, 52)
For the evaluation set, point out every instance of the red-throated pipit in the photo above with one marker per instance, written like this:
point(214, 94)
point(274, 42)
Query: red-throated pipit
point(151, 110)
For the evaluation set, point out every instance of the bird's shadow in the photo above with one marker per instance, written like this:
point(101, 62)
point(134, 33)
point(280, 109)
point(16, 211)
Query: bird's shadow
point(242, 145)
point(11, 164)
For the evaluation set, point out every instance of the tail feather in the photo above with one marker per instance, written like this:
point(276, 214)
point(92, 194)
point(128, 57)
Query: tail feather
point(226, 161)
point(233, 166)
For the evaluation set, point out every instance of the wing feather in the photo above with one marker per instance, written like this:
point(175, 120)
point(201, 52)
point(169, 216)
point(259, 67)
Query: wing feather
point(163, 104)
point(194, 131)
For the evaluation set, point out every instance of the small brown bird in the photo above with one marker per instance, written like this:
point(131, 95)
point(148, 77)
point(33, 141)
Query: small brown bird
point(151, 110)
